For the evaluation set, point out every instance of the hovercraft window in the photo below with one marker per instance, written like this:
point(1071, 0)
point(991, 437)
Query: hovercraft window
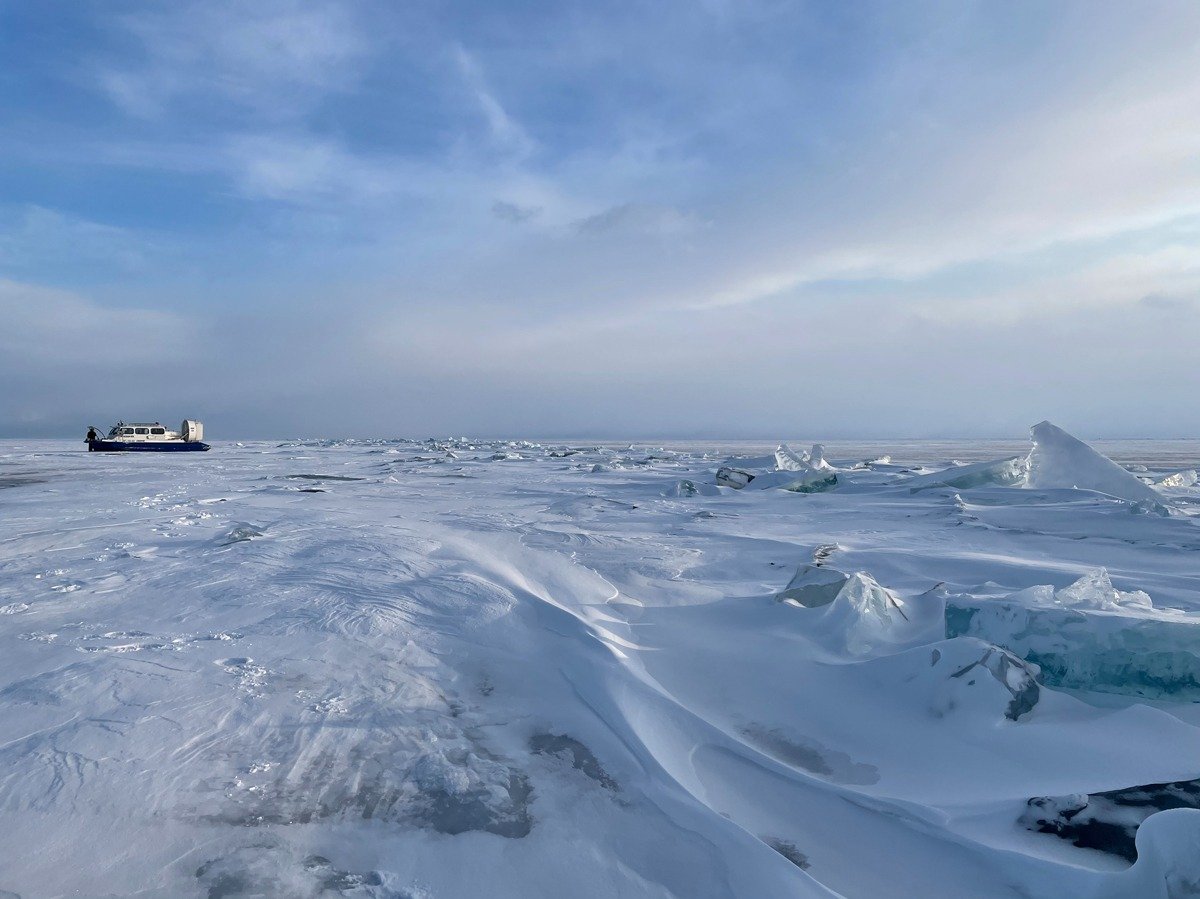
point(126, 430)
point(158, 430)
point(142, 430)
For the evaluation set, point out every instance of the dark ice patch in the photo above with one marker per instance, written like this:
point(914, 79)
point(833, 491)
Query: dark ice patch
point(809, 755)
point(258, 871)
point(790, 851)
point(243, 533)
point(504, 812)
point(822, 553)
point(20, 479)
point(581, 758)
point(1108, 821)
point(321, 477)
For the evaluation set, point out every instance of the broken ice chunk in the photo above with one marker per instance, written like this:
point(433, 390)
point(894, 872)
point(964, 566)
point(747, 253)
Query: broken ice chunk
point(688, 488)
point(1009, 472)
point(241, 534)
point(797, 472)
point(1090, 636)
point(813, 586)
point(816, 458)
point(1060, 460)
point(1095, 590)
point(810, 480)
point(737, 478)
point(1186, 478)
point(787, 459)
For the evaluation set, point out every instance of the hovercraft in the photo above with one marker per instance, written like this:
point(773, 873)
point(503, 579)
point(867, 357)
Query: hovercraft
point(148, 437)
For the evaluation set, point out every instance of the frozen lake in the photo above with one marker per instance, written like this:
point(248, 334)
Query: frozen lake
point(453, 668)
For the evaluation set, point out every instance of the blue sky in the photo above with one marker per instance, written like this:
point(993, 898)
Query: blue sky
point(601, 219)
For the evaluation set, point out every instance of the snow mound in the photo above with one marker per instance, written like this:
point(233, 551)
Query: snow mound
point(1059, 460)
point(863, 618)
point(1090, 636)
point(963, 678)
point(1168, 865)
point(973, 675)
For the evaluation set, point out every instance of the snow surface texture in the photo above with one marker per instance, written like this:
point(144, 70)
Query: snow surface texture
point(455, 669)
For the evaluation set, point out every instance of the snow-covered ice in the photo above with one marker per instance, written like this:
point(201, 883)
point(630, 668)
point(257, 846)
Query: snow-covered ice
point(450, 668)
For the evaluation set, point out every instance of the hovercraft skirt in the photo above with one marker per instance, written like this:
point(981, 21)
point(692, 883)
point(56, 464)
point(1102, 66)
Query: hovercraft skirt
point(146, 446)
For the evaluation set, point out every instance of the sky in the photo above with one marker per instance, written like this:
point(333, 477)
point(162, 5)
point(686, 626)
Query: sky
point(601, 219)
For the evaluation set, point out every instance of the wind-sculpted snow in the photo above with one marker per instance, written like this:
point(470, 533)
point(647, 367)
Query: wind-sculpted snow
point(420, 669)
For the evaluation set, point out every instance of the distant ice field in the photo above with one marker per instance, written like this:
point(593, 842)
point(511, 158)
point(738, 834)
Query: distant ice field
point(458, 668)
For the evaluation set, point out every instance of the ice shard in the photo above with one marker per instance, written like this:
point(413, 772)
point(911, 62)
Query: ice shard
point(1060, 460)
point(787, 459)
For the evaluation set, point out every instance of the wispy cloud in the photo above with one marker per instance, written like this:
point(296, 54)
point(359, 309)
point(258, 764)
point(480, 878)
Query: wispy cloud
point(275, 58)
point(506, 133)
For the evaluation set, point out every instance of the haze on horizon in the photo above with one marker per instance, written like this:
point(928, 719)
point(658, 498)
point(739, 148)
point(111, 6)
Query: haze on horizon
point(638, 218)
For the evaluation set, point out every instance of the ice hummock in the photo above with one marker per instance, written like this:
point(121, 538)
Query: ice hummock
point(1056, 461)
point(809, 480)
point(787, 459)
point(806, 472)
point(1060, 460)
point(1010, 472)
point(854, 614)
point(1090, 636)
